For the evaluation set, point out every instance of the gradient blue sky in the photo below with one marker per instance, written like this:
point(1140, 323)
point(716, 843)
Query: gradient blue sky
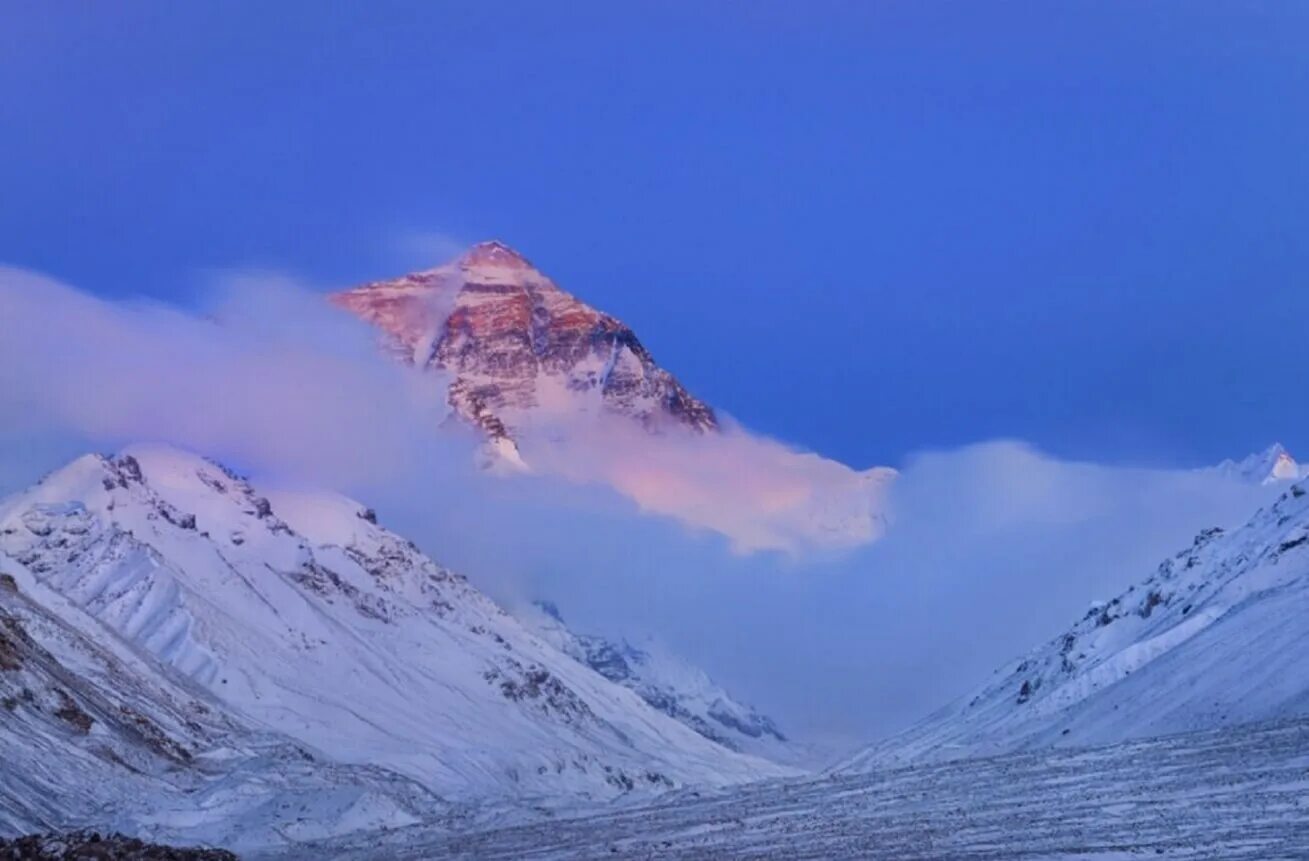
point(866, 228)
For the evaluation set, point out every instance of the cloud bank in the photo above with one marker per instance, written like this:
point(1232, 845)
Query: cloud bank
point(264, 375)
point(992, 548)
point(760, 494)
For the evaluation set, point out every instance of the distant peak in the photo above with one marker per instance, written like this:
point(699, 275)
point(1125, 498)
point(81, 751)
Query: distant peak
point(1274, 457)
point(493, 254)
point(1272, 464)
point(1283, 466)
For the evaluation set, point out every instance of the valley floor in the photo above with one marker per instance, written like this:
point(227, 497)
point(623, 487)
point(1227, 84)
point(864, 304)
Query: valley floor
point(1230, 794)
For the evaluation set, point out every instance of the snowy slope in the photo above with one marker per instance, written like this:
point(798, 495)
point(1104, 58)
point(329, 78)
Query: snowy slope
point(671, 685)
point(1218, 636)
point(1218, 796)
point(96, 734)
point(303, 615)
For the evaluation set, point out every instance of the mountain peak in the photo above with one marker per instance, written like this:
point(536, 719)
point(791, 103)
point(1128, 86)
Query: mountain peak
point(517, 346)
point(1271, 465)
point(493, 254)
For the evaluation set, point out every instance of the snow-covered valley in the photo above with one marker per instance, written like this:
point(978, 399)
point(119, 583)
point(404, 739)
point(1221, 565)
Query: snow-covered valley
point(1239, 793)
point(192, 657)
point(1171, 721)
point(653, 430)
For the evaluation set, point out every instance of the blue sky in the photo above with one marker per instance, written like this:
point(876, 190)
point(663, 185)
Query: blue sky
point(866, 228)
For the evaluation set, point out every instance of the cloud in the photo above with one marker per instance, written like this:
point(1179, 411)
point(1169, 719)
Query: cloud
point(992, 548)
point(265, 374)
point(759, 493)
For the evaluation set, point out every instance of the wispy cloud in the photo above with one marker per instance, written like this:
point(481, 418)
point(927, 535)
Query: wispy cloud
point(264, 374)
point(760, 494)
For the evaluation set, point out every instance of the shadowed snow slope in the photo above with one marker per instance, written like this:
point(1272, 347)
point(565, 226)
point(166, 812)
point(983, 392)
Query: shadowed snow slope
point(671, 685)
point(1218, 636)
point(304, 616)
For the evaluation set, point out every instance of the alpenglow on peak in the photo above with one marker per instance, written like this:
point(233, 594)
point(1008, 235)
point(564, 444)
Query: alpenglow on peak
point(519, 349)
point(493, 253)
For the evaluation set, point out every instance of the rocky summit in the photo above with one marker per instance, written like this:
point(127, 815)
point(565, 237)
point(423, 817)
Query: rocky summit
point(517, 347)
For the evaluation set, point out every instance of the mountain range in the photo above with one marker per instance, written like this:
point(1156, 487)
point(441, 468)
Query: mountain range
point(167, 625)
point(671, 685)
point(190, 656)
point(1215, 637)
point(1270, 466)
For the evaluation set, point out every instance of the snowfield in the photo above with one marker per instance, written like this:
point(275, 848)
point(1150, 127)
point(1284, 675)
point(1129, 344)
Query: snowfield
point(1239, 793)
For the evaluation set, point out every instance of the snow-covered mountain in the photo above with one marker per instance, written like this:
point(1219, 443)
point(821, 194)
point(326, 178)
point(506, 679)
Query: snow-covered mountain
point(95, 733)
point(305, 619)
point(559, 388)
point(1269, 466)
point(1217, 636)
point(671, 685)
point(516, 345)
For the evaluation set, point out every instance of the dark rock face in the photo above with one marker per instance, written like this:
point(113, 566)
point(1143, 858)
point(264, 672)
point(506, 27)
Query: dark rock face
point(11, 637)
point(754, 726)
point(606, 659)
point(93, 846)
point(512, 340)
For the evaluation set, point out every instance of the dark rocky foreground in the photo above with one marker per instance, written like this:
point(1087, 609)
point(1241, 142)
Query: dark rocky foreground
point(93, 846)
point(1233, 794)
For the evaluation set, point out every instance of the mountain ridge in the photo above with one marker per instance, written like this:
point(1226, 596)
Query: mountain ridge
point(665, 681)
point(1270, 466)
point(303, 617)
point(1214, 638)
